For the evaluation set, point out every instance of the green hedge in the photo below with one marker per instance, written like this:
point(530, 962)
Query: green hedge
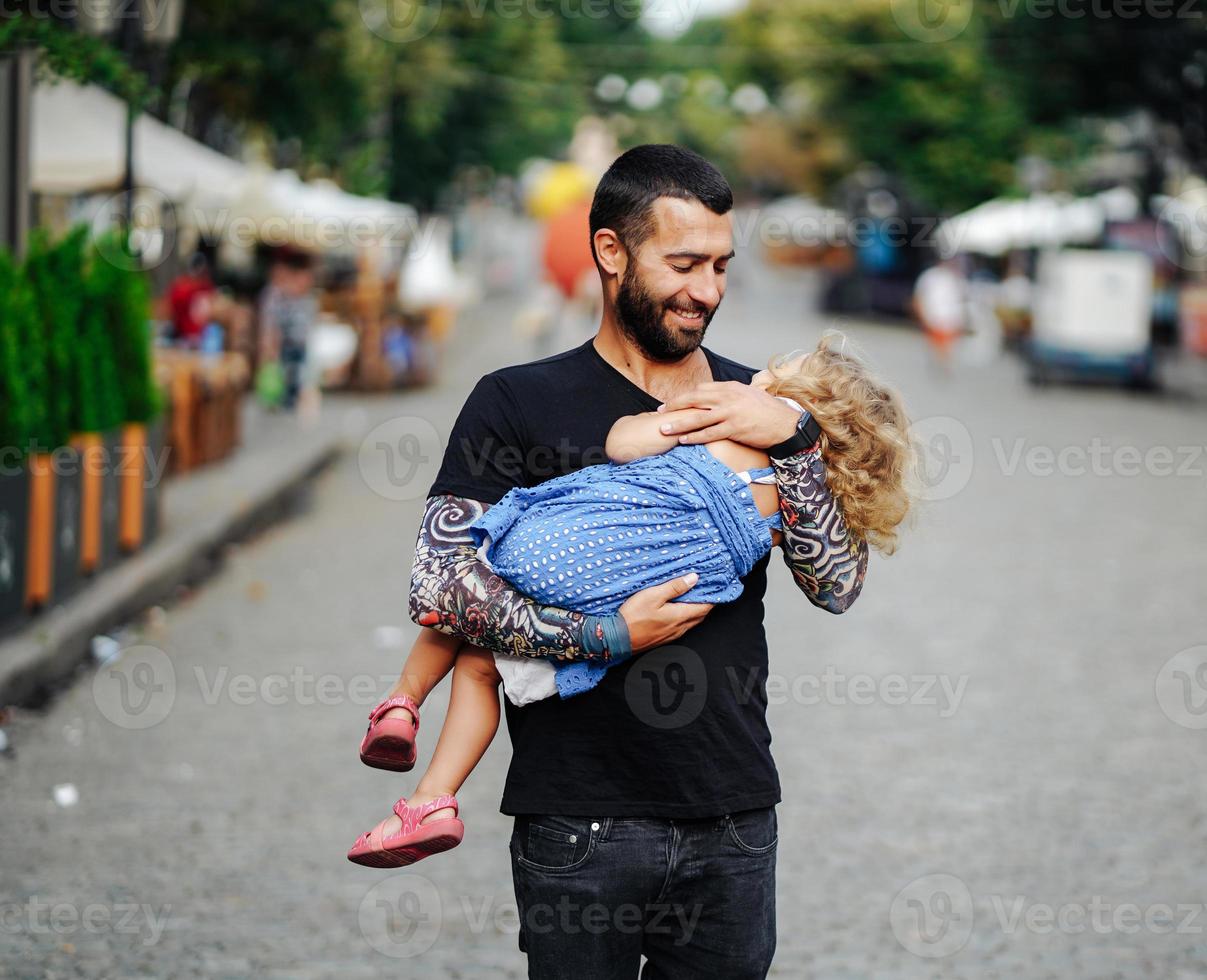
point(75, 346)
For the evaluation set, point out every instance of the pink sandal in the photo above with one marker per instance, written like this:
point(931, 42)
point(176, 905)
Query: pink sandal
point(389, 743)
point(414, 840)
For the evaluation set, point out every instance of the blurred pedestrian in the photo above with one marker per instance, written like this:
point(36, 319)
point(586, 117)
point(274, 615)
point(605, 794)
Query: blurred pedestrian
point(190, 297)
point(288, 311)
point(941, 306)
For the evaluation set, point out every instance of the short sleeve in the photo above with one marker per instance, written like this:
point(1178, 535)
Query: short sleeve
point(486, 449)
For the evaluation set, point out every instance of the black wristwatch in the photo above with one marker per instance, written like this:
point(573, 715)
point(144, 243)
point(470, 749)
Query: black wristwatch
point(805, 437)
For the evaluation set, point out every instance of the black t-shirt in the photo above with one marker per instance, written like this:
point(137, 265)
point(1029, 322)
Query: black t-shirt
point(678, 731)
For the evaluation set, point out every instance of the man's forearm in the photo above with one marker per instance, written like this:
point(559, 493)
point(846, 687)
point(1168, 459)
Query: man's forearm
point(827, 562)
point(455, 592)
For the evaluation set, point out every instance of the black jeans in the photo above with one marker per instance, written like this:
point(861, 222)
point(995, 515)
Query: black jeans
point(696, 897)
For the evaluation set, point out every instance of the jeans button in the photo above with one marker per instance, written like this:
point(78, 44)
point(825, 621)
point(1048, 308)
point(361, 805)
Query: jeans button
point(595, 826)
point(574, 838)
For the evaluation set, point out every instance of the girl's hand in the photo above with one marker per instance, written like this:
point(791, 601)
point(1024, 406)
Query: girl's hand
point(728, 410)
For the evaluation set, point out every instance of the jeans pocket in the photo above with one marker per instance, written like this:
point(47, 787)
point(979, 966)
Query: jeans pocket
point(754, 831)
point(555, 843)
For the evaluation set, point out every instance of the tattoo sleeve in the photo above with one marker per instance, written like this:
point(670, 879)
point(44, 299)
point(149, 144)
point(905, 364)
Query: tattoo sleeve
point(827, 562)
point(455, 592)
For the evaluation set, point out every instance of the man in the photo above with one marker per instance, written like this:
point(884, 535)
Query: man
point(645, 808)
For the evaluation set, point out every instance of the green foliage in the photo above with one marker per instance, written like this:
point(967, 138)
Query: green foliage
point(71, 54)
point(54, 274)
point(120, 298)
point(18, 425)
point(283, 67)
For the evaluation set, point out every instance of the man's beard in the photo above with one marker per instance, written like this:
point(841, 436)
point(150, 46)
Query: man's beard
point(641, 319)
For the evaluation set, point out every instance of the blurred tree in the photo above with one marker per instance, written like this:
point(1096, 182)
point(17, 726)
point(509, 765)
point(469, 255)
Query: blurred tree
point(283, 66)
point(939, 114)
point(1142, 57)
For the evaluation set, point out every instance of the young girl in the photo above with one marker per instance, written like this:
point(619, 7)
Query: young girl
point(590, 539)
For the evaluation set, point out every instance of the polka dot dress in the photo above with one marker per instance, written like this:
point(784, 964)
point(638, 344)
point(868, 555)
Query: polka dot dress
point(589, 539)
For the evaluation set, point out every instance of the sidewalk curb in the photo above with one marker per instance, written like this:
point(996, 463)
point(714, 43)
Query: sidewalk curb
point(47, 652)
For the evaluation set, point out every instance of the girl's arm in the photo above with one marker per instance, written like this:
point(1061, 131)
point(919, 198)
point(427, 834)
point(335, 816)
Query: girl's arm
point(635, 436)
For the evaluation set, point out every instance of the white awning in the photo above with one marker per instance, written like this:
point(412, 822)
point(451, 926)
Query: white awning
point(1040, 221)
point(78, 146)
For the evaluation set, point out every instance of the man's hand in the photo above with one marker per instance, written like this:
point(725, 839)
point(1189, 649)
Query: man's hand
point(653, 619)
point(730, 410)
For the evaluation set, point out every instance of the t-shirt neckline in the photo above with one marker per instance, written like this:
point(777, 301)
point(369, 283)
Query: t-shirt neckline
point(641, 393)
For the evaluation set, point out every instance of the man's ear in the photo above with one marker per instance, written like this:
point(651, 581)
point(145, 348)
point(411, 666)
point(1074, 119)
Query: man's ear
point(612, 255)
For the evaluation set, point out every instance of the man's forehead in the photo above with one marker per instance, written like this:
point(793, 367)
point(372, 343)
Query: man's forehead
point(689, 226)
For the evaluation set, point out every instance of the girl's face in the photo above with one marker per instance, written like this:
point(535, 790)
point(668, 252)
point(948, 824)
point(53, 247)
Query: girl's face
point(786, 364)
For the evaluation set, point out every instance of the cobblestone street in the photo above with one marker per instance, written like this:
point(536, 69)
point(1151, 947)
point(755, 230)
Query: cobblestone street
point(995, 765)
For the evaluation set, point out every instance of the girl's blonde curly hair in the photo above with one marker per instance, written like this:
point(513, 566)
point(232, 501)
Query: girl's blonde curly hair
point(865, 437)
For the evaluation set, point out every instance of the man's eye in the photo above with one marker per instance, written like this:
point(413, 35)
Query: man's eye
point(682, 268)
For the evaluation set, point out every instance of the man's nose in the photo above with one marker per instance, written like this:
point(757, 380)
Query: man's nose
point(706, 288)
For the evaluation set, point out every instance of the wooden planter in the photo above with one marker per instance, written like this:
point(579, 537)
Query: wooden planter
point(152, 489)
point(111, 499)
point(132, 473)
point(69, 482)
point(39, 546)
point(91, 448)
point(14, 523)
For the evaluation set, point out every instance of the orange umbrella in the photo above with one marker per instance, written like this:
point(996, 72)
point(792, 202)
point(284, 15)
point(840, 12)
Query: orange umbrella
point(567, 254)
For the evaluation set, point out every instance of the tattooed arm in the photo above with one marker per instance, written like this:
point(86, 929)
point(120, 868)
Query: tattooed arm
point(827, 563)
point(455, 592)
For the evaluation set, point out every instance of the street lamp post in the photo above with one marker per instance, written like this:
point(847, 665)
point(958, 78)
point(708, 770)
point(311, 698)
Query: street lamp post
point(153, 23)
point(16, 86)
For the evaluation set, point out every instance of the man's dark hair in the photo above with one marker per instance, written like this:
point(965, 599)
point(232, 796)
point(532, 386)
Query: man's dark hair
point(624, 199)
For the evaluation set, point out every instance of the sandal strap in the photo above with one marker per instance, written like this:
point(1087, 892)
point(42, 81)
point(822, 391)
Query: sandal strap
point(412, 817)
point(401, 701)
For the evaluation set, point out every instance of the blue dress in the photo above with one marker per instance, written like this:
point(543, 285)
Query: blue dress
point(589, 539)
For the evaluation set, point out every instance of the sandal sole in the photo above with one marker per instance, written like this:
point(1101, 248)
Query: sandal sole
point(408, 854)
point(389, 752)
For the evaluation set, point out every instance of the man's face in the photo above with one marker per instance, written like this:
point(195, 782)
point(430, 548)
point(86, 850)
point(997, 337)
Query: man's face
point(675, 279)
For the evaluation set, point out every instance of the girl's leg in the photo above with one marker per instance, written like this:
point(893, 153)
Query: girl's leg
point(469, 727)
point(430, 659)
